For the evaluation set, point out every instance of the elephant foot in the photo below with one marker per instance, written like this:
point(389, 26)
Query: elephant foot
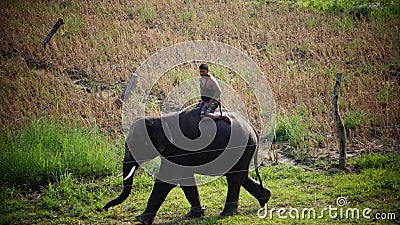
point(196, 212)
point(230, 209)
point(266, 194)
point(146, 218)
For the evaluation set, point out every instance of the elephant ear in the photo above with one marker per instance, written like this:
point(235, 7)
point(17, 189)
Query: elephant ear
point(157, 135)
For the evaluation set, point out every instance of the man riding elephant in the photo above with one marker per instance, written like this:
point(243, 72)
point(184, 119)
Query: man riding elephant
point(210, 94)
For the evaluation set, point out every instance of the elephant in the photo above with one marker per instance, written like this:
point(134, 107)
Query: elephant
point(188, 145)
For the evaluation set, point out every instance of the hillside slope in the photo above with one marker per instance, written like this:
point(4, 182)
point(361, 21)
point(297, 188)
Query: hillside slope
point(88, 62)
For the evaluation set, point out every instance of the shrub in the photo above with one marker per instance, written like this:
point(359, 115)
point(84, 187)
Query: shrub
point(47, 150)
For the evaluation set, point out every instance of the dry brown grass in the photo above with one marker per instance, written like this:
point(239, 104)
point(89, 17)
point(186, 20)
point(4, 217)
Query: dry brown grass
point(299, 50)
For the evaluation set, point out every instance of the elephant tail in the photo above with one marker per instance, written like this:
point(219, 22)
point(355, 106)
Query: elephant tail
point(129, 168)
point(255, 163)
point(256, 156)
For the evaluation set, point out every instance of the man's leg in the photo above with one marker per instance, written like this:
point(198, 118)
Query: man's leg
point(213, 107)
point(204, 108)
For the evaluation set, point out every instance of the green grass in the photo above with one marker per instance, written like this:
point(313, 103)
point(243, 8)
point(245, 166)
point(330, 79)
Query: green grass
point(297, 130)
point(46, 150)
point(366, 8)
point(353, 119)
point(386, 94)
point(74, 200)
point(147, 14)
point(187, 16)
point(375, 161)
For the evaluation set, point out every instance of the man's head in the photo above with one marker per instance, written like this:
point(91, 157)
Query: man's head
point(203, 69)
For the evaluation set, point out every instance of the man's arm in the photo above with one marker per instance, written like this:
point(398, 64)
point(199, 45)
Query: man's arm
point(216, 88)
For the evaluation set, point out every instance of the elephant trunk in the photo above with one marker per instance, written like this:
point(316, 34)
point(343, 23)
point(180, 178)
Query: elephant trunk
point(129, 167)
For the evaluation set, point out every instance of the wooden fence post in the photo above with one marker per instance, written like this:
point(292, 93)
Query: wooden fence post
point(52, 32)
point(340, 129)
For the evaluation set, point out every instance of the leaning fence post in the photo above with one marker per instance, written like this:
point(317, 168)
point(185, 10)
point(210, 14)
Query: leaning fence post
point(131, 85)
point(52, 32)
point(340, 129)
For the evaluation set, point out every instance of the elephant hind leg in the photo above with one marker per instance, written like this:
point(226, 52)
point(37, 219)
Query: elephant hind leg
point(234, 179)
point(262, 194)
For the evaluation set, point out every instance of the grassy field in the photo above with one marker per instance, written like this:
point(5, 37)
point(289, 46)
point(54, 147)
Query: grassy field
point(371, 182)
point(61, 138)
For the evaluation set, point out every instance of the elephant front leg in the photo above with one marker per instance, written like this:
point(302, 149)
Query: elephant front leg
point(157, 197)
point(189, 187)
point(192, 195)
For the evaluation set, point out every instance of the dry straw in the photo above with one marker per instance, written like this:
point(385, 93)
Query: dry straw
point(87, 63)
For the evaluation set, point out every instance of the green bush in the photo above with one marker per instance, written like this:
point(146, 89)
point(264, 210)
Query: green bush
point(352, 120)
point(297, 130)
point(47, 150)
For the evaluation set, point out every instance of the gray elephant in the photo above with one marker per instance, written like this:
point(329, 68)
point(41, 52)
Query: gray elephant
point(187, 145)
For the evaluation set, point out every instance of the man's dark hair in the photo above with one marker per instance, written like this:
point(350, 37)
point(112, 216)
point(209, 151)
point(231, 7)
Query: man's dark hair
point(203, 67)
